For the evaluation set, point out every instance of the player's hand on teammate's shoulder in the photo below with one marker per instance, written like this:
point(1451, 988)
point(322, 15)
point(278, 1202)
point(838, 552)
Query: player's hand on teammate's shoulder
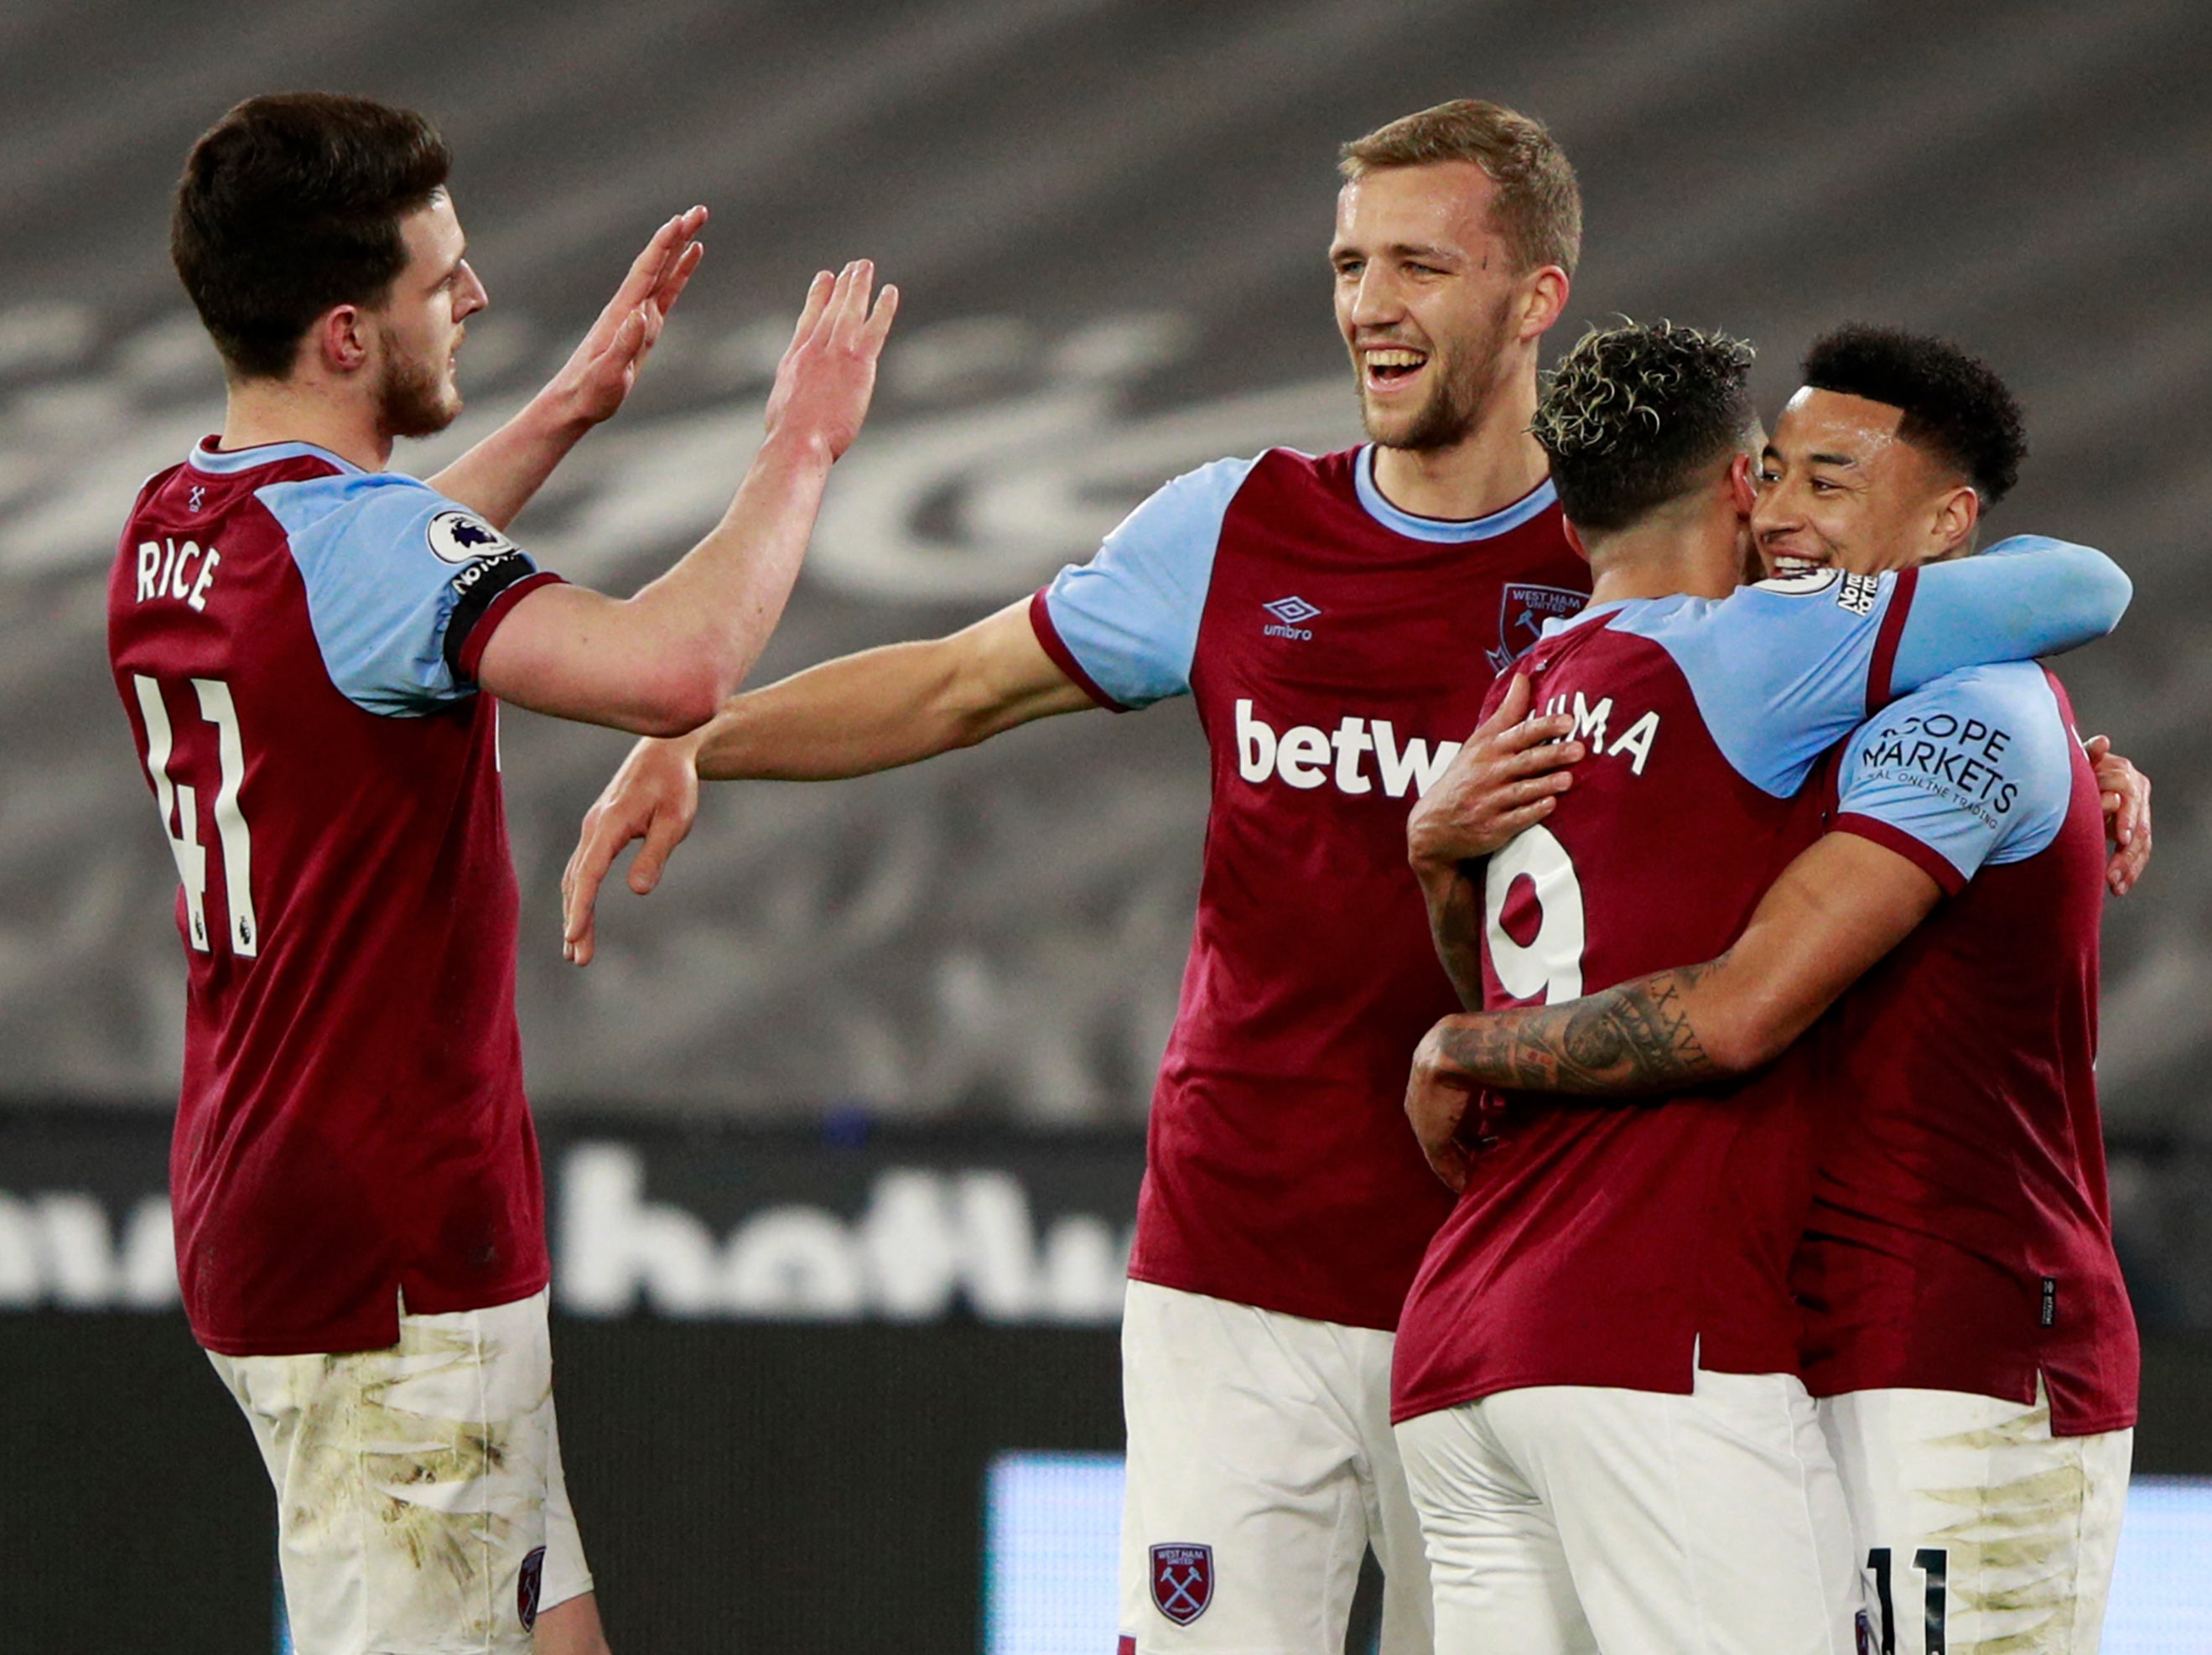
point(828, 374)
point(597, 378)
point(1507, 776)
point(2125, 794)
point(654, 796)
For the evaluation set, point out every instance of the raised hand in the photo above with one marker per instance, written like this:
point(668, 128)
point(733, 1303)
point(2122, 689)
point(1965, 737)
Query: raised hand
point(1507, 775)
point(2126, 794)
point(654, 796)
point(827, 375)
point(597, 377)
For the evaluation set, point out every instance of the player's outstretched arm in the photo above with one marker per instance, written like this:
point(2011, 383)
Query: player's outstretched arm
point(1836, 911)
point(661, 662)
point(861, 713)
point(1506, 776)
point(497, 477)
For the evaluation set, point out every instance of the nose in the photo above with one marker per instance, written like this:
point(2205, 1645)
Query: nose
point(1375, 299)
point(472, 296)
point(1775, 509)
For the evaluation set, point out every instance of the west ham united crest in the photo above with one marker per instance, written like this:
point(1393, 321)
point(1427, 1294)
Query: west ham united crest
point(1182, 1581)
point(526, 1588)
point(1521, 617)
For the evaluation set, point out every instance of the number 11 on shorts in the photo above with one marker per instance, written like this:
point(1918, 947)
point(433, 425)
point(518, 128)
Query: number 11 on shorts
point(1934, 1563)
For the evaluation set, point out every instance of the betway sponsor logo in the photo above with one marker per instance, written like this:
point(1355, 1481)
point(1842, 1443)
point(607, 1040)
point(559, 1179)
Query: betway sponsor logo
point(1306, 755)
point(924, 1239)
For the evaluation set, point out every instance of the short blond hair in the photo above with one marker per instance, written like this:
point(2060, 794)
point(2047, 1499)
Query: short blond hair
point(1538, 206)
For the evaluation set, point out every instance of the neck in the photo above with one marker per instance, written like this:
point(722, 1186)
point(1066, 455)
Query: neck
point(286, 410)
point(1666, 554)
point(1487, 469)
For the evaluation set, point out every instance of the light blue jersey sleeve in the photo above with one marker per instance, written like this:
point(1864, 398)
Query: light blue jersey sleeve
point(1125, 625)
point(1975, 768)
point(397, 578)
point(1784, 669)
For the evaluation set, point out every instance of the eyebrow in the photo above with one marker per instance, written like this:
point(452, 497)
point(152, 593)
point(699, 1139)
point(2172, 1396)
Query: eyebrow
point(1422, 254)
point(1770, 451)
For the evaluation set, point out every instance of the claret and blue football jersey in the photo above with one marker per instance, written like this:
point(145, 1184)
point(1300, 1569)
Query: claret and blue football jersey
point(1961, 1237)
point(1338, 651)
point(1600, 1244)
point(295, 640)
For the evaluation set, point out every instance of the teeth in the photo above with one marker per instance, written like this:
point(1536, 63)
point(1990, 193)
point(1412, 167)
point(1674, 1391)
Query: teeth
point(1395, 359)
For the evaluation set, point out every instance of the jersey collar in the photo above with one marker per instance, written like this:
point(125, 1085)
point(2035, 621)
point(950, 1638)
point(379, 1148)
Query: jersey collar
point(222, 463)
point(1536, 501)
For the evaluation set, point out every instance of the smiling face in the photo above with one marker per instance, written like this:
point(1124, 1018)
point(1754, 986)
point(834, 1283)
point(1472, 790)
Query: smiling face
point(418, 328)
point(1427, 298)
point(1839, 488)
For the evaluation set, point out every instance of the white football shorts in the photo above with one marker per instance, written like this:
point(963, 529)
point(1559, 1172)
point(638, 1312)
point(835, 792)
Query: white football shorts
point(420, 1503)
point(1978, 1528)
point(1261, 1468)
point(1567, 1520)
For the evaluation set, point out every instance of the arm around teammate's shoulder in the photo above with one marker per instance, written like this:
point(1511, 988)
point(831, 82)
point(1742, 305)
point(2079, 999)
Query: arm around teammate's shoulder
point(1836, 911)
point(661, 662)
point(2025, 596)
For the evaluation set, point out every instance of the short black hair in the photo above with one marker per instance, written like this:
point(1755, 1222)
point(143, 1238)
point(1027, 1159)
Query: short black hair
point(1955, 406)
point(1632, 414)
point(291, 203)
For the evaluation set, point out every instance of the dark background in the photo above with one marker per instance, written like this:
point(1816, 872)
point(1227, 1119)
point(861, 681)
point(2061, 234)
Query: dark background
point(1109, 221)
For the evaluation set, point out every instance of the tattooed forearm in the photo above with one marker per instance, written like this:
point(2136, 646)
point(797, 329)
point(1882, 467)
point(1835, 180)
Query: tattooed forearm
point(1635, 1037)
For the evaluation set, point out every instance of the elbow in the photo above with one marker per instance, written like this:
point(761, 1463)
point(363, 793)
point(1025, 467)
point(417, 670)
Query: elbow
point(681, 697)
point(2099, 589)
point(2114, 590)
point(1738, 1039)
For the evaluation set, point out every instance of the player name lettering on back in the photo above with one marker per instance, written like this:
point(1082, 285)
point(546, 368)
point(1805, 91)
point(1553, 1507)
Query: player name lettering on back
point(1306, 755)
point(1629, 739)
point(177, 568)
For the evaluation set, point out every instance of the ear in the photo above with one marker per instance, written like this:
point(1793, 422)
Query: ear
point(1742, 488)
point(1575, 540)
point(340, 339)
point(1544, 298)
point(1950, 531)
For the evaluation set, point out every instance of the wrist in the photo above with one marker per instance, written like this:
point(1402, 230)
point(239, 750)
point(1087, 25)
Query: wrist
point(558, 412)
point(716, 749)
point(792, 448)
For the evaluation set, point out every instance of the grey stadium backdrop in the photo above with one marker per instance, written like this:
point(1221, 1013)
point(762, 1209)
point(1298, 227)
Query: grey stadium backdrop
point(1108, 219)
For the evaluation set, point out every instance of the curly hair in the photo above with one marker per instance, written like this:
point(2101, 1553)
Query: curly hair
point(1633, 414)
point(1955, 406)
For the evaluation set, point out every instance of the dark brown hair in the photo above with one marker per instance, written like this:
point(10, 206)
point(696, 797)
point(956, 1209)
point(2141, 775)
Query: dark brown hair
point(290, 204)
point(1538, 207)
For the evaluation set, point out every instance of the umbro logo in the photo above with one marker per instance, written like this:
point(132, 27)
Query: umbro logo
point(1289, 612)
